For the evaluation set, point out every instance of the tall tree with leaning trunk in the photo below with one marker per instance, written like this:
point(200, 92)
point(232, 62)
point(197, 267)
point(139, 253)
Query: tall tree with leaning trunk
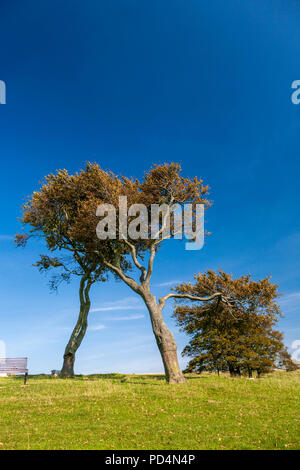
point(65, 212)
point(163, 186)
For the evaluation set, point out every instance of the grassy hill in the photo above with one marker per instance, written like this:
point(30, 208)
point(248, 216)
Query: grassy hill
point(114, 411)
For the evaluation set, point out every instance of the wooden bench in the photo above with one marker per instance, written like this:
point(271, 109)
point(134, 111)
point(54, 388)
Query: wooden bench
point(14, 366)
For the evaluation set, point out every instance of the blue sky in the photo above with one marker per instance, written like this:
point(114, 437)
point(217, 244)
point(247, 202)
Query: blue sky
point(133, 83)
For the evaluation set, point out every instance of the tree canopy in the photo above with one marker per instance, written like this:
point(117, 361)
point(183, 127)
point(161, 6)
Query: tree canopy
point(241, 339)
point(65, 213)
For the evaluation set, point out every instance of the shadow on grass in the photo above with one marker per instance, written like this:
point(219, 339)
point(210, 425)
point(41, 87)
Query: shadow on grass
point(127, 378)
point(197, 378)
point(151, 379)
point(35, 377)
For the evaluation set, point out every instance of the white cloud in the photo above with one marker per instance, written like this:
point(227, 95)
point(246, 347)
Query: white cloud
point(126, 318)
point(169, 283)
point(129, 303)
point(290, 297)
point(6, 237)
point(290, 303)
point(97, 327)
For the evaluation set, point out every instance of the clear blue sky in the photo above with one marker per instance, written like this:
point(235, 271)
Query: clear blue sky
point(132, 83)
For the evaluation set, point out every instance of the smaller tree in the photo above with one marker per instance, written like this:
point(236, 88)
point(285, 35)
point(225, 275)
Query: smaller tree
point(240, 339)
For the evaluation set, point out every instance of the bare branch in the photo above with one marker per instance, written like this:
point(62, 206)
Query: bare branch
point(163, 300)
point(221, 298)
point(150, 262)
point(156, 242)
point(135, 260)
point(160, 231)
point(127, 279)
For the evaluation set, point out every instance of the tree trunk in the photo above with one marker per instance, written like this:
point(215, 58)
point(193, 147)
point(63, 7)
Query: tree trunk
point(68, 365)
point(164, 339)
point(79, 330)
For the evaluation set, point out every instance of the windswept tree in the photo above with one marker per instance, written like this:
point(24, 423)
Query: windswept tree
point(69, 210)
point(240, 339)
point(51, 214)
point(127, 228)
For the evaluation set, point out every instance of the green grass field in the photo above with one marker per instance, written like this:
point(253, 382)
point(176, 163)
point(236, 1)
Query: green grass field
point(143, 412)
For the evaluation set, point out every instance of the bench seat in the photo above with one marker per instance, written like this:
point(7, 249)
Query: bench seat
point(14, 366)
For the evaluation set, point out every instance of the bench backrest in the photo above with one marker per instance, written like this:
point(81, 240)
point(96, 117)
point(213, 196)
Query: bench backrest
point(13, 365)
